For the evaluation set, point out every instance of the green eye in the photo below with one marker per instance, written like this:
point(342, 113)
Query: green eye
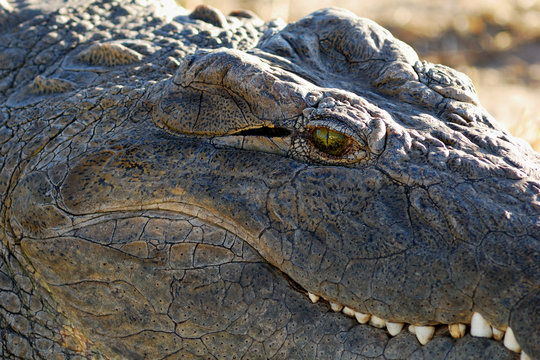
point(330, 141)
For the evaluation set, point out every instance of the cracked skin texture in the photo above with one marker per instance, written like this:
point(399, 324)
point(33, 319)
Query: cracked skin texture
point(143, 217)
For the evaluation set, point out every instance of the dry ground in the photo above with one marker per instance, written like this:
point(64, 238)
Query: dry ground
point(495, 42)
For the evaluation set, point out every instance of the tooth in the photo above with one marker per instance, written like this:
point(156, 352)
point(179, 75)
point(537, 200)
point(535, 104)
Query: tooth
point(510, 341)
point(336, 307)
point(377, 322)
point(497, 334)
point(394, 328)
point(412, 329)
point(457, 330)
point(524, 356)
point(480, 327)
point(348, 311)
point(362, 318)
point(424, 333)
point(314, 298)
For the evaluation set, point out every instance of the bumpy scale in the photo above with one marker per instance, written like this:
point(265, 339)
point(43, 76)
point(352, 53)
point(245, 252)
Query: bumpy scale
point(193, 185)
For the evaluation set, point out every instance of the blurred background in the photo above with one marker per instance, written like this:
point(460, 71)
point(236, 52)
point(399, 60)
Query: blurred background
point(495, 42)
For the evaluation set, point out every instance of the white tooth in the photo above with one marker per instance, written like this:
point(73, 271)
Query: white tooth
point(362, 318)
point(412, 329)
point(348, 311)
point(457, 330)
point(524, 356)
point(424, 333)
point(377, 322)
point(394, 328)
point(497, 334)
point(480, 327)
point(314, 298)
point(510, 341)
point(336, 307)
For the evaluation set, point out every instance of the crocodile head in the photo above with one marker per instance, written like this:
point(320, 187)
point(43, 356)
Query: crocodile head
point(326, 161)
point(393, 193)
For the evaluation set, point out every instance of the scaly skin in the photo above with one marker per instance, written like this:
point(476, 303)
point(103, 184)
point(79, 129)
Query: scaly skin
point(166, 194)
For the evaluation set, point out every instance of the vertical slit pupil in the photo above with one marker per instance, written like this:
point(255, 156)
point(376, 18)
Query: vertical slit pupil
point(329, 141)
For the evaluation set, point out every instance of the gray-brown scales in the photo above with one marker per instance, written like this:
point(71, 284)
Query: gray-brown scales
point(188, 185)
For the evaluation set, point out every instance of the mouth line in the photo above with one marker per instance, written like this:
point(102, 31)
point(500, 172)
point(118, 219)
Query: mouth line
point(478, 326)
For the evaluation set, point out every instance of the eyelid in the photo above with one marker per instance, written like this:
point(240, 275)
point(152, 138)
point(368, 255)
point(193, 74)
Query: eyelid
point(331, 125)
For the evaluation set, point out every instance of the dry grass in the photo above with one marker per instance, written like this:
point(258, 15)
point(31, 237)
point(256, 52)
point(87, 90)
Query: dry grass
point(527, 128)
point(495, 42)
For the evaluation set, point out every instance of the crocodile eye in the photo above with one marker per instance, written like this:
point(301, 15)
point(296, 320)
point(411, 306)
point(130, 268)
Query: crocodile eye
point(329, 141)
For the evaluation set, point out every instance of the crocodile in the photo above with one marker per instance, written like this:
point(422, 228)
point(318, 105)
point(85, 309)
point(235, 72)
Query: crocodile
point(181, 185)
